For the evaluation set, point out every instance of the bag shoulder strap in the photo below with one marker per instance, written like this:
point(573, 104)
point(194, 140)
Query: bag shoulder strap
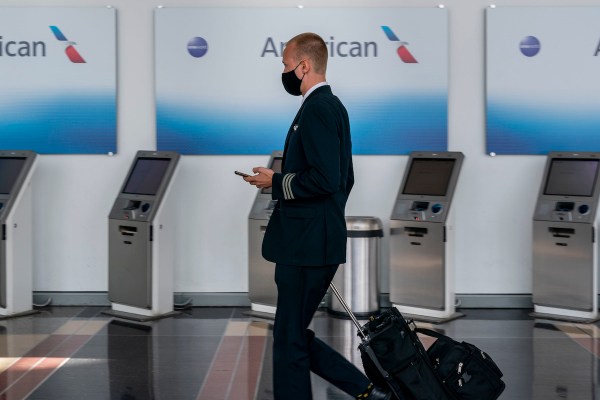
point(432, 333)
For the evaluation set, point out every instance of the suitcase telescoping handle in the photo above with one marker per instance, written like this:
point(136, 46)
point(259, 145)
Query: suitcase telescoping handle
point(350, 313)
point(367, 348)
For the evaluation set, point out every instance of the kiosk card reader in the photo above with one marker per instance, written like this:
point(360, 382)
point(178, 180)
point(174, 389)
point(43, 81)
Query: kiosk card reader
point(565, 220)
point(262, 290)
point(16, 247)
point(422, 237)
point(141, 239)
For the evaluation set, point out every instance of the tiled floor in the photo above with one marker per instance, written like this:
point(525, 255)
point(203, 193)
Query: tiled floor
point(221, 353)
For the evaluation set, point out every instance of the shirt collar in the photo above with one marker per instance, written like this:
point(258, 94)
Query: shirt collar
point(312, 89)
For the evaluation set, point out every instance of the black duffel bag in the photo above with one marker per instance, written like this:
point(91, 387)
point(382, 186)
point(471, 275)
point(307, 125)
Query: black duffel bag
point(467, 371)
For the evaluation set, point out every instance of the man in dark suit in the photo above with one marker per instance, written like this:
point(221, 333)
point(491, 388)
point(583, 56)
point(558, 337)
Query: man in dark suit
point(306, 235)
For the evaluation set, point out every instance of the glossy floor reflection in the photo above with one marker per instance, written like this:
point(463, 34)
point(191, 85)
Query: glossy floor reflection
point(221, 353)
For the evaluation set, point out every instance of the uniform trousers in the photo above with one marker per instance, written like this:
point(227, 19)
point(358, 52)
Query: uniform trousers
point(296, 350)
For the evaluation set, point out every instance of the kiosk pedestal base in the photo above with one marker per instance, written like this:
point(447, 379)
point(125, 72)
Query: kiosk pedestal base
point(19, 314)
point(263, 308)
point(424, 315)
point(138, 314)
point(261, 311)
point(559, 314)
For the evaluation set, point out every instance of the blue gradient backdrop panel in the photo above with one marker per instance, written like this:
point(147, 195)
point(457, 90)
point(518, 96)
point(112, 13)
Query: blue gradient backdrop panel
point(217, 94)
point(543, 93)
point(58, 92)
point(67, 124)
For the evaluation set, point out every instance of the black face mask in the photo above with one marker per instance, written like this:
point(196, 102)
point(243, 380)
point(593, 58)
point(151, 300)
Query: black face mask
point(291, 83)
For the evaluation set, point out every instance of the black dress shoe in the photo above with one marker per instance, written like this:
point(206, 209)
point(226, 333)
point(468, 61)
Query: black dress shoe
point(379, 394)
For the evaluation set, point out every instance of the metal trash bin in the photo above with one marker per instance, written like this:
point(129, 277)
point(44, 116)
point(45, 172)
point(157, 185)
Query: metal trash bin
point(357, 279)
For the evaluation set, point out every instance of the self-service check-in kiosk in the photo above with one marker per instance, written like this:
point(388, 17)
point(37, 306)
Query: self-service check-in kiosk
point(565, 265)
point(422, 236)
point(262, 290)
point(141, 239)
point(16, 247)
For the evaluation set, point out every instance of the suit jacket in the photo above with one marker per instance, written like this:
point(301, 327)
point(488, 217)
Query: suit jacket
point(308, 224)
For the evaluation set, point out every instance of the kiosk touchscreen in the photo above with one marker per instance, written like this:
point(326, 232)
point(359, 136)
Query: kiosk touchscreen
point(261, 285)
point(422, 237)
point(16, 248)
point(565, 266)
point(142, 238)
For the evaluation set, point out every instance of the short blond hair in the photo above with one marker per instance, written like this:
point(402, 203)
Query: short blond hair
point(312, 46)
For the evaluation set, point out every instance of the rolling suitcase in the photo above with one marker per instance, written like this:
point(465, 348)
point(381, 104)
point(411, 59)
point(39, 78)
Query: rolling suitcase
point(394, 357)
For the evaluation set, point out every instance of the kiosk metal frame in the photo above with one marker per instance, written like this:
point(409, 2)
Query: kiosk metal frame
point(142, 237)
point(262, 290)
point(422, 238)
point(16, 244)
point(565, 248)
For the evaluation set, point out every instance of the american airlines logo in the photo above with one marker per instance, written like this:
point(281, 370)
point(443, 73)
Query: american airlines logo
point(403, 52)
point(37, 48)
point(70, 50)
point(335, 47)
point(348, 48)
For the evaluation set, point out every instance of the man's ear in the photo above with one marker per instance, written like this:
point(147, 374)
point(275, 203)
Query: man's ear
point(306, 66)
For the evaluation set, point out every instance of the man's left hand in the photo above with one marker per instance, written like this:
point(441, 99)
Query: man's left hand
point(262, 179)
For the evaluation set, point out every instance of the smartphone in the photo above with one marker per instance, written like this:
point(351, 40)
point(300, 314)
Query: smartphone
point(241, 174)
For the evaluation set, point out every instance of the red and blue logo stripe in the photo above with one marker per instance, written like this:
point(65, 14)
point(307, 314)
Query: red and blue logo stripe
point(70, 50)
point(402, 51)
